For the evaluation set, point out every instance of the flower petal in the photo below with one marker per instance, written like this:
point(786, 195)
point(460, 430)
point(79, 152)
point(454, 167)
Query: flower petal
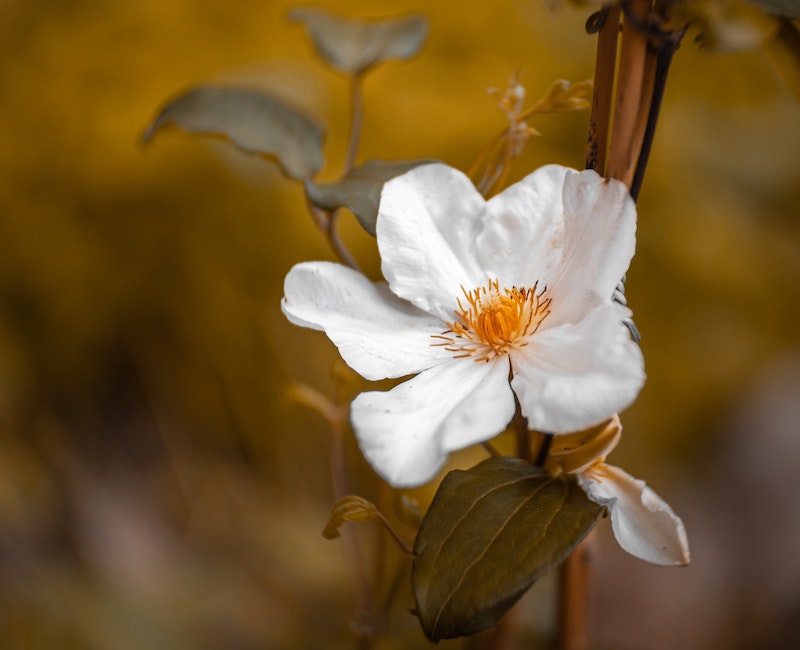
point(523, 235)
point(599, 242)
point(378, 334)
point(573, 376)
point(576, 452)
point(428, 221)
point(643, 522)
point(407, 432)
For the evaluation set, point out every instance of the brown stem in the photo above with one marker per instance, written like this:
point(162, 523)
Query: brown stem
point(600, 120)
point(394, 535)
point(363, 615)
point(625, 138)
point(666, 50)
point(574, 574)
point(520, 427)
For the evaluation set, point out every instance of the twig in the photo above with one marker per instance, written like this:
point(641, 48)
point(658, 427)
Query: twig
point(520, 427)
point(602, 97)
point(625, 139)
point(356, 123)
point(665, 51)
point(574, 574)
point(337, 244)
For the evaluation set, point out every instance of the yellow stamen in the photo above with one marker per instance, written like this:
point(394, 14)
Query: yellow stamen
point(490, 322)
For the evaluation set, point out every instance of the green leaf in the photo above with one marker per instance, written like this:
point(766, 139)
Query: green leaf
point(352, 45)
point(360, 190)
point(254, 121)
point(349, 509)
point(489, 534)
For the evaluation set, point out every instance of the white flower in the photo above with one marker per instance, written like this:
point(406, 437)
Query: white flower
point(481, 297)
point(643, 522)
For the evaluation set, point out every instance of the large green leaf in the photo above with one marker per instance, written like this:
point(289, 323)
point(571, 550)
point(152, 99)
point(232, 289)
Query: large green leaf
point(252, 120)
point(360, 190)
point(489, 534)
point(352, 45)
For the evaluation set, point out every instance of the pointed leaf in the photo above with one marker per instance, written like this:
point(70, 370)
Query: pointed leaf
point(349, 509)
point(352, 45)
point(489, 534)
point(252, 120)
point(360, 190)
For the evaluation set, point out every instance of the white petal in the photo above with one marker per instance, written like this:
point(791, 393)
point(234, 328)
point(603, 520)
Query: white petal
point(407, 432)
point(524, 231)
point(378, 334)
point(428, 221)
point(643, 522)
point(573, 376)
point(599, 242)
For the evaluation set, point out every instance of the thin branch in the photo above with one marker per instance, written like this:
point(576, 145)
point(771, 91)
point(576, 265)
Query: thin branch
point(490, 449)
point(625, 139)
point(602, 97)
point(666, 51)
point(544, 449)
point(395, 535)
point(520, 427)
point(574, 574)
point(337, 244)
point(356, 122)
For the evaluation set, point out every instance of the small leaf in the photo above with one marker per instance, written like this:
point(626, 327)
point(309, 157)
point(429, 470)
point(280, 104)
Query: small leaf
point(252, 120)
point(489, 534)
point(352, 45)
point(349, 509)
point(360, 190)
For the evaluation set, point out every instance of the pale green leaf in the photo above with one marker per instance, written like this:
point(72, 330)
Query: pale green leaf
point(254, 121)
point(352, 45)
point(349, 509)
point(360, 190)
point(489, 534)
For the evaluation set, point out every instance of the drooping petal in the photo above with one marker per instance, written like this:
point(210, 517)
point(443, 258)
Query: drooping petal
point(599, 242)
point(428, 221)
point(523, 231)
point(378, 334)
point(643, 522)
point(573, 376)
point(407, 432)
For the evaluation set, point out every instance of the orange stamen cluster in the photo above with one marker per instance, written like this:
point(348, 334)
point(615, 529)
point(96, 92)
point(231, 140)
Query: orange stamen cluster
point(490, 322)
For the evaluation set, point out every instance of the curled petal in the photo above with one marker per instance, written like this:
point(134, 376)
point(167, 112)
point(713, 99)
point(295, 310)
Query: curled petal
point(643, 522)
point(573, 376)
point(576, 452)
point(523, 233)
point(428, 221)
point(407, 432)
point(378, 334)
point(599, 242)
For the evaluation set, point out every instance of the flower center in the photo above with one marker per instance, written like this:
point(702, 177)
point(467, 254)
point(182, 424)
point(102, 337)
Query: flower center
point(490, 322)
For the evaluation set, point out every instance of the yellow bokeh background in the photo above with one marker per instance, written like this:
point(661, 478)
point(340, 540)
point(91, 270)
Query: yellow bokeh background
point(160, 488)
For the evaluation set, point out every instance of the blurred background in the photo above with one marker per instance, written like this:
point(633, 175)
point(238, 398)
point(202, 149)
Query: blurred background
point(161, 489)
